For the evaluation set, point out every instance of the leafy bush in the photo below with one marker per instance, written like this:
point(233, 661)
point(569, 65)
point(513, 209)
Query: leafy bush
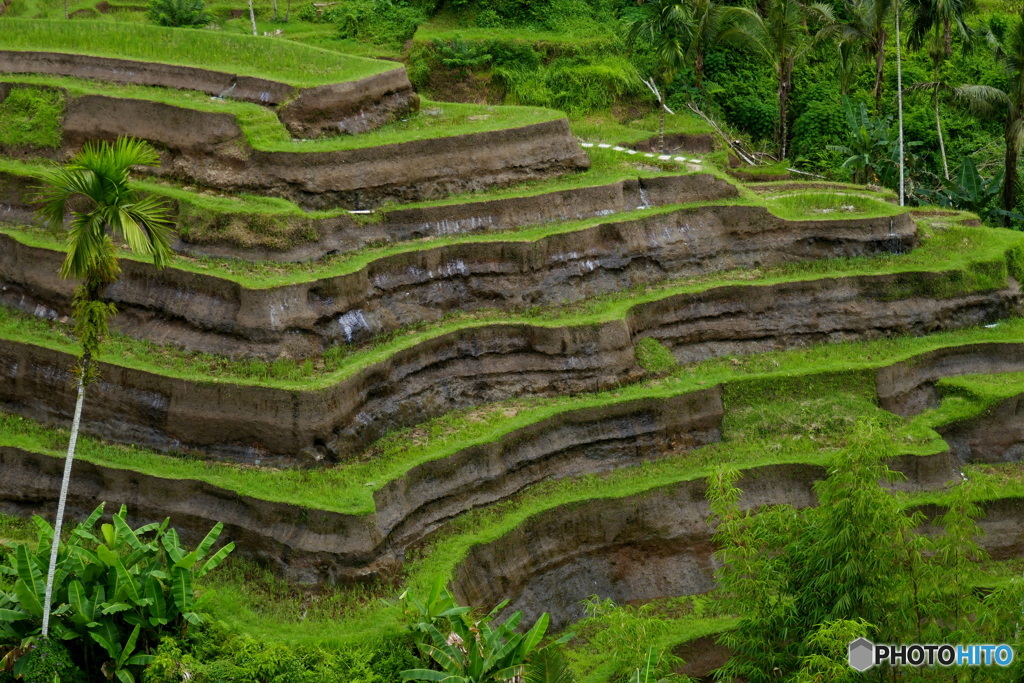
point(48, 661)
point(622, 637)
point(384, 22)
point(209, 654)
point(577, 85)
point(120, 590)
point(488, 18)
point(460, 55)
point(178, 12)
point(326, 15)
point(823, 123)
point(476, 650)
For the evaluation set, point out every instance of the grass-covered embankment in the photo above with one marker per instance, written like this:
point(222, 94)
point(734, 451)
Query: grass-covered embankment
point(264, 131)
point(279, 60)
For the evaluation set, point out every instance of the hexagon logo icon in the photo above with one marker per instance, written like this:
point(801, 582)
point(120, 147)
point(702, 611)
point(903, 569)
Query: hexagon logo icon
point(862, 654)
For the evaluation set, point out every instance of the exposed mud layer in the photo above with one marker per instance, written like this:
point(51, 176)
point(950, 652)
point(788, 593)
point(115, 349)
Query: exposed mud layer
point(701, 656)
point(467, 367)
point(359, 178)
point(570, 444)
point(313, 545)
point(217, 83)
point(908, 388)
point(242, 235)
point(994, 437)
point(352, 107)
point(651, 545)
point(1001, 524)
point(742, 319)
point(259, 424)
point(212, 314)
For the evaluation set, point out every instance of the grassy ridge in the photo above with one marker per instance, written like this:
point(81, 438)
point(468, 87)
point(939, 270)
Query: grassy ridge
point(969, 259)
point(804, 427)
point(265, 132)
point(266, 275)
point(349, 489)
point(277, 223)
point(262, 57)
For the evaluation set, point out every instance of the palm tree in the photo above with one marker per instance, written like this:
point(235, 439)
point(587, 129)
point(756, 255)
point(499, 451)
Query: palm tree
point(1013, 132)
point(944, 15)
point(977, 97)
point(97, 178)
point(1009, 105)
point(666, 26)
point(848, 59)
point(708, 23)
point(868, 28)
point(784, 38)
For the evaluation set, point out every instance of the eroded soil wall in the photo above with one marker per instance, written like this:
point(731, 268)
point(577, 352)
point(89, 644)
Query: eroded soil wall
point(350, 107)
point(314, 545)
point(195, 310)
point(256, 424)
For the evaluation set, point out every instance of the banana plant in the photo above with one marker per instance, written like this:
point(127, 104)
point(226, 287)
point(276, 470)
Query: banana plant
point(115, 587)
point(476, 652)
point(437, 610)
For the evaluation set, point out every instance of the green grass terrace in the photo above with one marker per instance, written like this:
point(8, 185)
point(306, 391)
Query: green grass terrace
point(262, 57)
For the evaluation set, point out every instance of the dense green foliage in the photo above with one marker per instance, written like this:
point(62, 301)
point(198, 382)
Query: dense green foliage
point(117, 590)
point(857, 564)
point(178, 12)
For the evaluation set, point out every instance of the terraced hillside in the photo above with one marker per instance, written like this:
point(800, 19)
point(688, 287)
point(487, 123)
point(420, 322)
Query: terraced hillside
point(516, 385)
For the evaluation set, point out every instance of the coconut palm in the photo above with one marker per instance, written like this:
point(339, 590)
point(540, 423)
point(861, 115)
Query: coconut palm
point(1013, 132)
point(868, 28)
point(94, 188)
point(784, 37)
point(1008, 105)
point(666, 26)
point(708, 21)
point(974, 96)
point(946, 16)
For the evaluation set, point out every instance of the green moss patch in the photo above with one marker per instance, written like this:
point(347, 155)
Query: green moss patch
point(31, 118)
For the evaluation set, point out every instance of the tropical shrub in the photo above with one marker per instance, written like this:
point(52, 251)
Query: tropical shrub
point(805, 581)
point(971, 192)
point(178, 12)
point(463, 649)
point(116, 591)
point(384, 22)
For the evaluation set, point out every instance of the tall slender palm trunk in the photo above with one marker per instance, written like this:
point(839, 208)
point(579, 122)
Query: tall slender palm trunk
point(62, 501)
point(938, 127)
point(785, 87)
point(899, 104)
point(879, 71)
point(1010, 172)
point(661, 125)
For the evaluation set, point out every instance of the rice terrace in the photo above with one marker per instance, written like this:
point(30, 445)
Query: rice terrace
point(527, 341)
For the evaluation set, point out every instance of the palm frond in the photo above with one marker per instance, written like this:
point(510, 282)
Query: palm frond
point(97, 177)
